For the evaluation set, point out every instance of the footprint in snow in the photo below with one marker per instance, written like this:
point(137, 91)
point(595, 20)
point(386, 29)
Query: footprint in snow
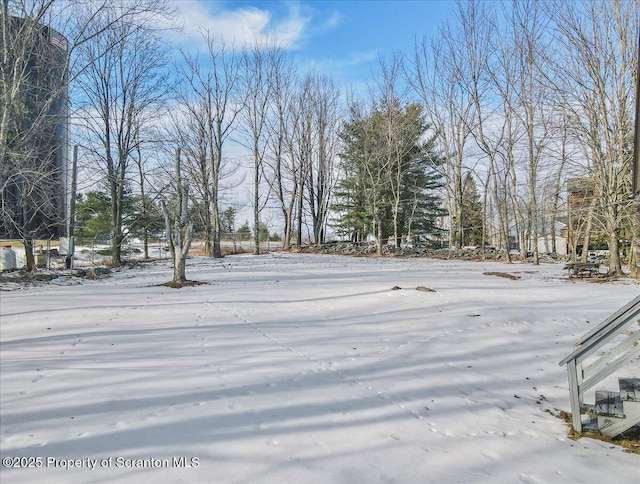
point(490, 455)
point(528, 479)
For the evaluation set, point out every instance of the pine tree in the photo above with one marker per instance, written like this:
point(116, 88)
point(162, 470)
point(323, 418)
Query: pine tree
point(471, 212)
point(244, 232)
point(390, 182)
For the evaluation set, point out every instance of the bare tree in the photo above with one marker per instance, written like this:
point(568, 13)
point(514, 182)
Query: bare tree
point(178, 225)
point(146, 155)
point(439, 76)
point(34, 74)
point(468, 82)
point(213, 95)
point(478, 23)
point(300, 147)
point(258, 64)
point(512, 146)
point(310, 146)
point(322, 174)
point(561, 154)
point(396, 144)
point(527, 26)
point(303, 148)
point(283, 82)
point(41, 43)
point(188, 126)
point(118, 90)
point(596, 72)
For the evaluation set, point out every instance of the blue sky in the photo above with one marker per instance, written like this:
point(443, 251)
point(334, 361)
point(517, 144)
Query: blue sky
point(340, 38)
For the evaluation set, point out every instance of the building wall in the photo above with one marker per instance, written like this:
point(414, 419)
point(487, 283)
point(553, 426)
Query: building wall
point(36, 164)
point(580, 194)
point(545, 246)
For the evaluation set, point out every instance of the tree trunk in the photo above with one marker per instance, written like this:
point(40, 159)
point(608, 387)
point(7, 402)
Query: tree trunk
point(256, 202)
point(534, 231)
point(459, 234)
point(379, 236)
point(208, 230)
point(503, 211)
point(299, 213)
point(215, 224)
point(179, 267)
point(28, 252)
point(587, 231)
point(288, 227)
point(615, 265)
point(116, 250)
point(634, 254)
point(145, 232)
point(179, 229)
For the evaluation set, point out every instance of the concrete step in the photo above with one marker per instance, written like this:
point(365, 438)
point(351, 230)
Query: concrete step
point(616, 412)
point(612, 425)
point(629, 389)
point(608, 404)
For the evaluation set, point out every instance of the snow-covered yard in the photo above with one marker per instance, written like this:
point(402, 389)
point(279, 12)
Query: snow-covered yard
point(290, 368)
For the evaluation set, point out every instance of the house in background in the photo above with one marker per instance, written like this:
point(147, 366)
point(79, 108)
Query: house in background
point(580, 207)
point(545, 242)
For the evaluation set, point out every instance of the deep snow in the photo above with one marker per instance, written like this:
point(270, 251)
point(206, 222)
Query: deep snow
point(291, 368)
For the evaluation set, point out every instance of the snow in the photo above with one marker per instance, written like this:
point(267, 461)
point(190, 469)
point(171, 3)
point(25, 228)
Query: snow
point(302, 368)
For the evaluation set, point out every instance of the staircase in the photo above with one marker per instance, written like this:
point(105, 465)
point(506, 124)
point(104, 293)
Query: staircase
point(598, 354)
point(615, 412)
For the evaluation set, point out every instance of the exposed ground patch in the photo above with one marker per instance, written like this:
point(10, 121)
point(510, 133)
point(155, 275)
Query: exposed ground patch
point(502, 274)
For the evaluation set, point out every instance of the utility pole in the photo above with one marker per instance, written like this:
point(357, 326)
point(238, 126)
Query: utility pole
point(634, 257)
point(72, 210)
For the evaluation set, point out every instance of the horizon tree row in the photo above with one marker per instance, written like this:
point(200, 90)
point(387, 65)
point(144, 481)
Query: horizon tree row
point(509, 101)
point(527, 95)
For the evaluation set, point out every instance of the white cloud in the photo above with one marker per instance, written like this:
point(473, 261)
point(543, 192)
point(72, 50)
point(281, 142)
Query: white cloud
point(333, 21)
point(343, 64)
point(240, 26)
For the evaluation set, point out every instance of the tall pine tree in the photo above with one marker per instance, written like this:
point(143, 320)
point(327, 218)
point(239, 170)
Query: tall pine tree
point(390, 184)
point(471, 212)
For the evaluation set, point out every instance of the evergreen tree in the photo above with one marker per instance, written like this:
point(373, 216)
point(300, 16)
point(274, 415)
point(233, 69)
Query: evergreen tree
point(390, 182)
point(471, 212)
point(244, 232)
point(263, 232)
point(93, 216)
point(140, 223)
point(354, 220)
point(228, 222)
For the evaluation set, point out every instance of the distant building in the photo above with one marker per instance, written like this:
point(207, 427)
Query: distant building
point(545, 245)
point(38, 136)
point(581, 194)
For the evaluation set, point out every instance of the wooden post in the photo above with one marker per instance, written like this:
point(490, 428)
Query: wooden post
point(574, 395)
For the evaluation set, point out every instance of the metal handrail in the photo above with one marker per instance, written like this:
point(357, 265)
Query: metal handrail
point(582, 379)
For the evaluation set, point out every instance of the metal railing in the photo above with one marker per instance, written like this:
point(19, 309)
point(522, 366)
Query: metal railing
point(583, 376)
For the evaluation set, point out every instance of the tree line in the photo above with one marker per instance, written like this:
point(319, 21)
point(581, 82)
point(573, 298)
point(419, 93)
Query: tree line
point(479, 127)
